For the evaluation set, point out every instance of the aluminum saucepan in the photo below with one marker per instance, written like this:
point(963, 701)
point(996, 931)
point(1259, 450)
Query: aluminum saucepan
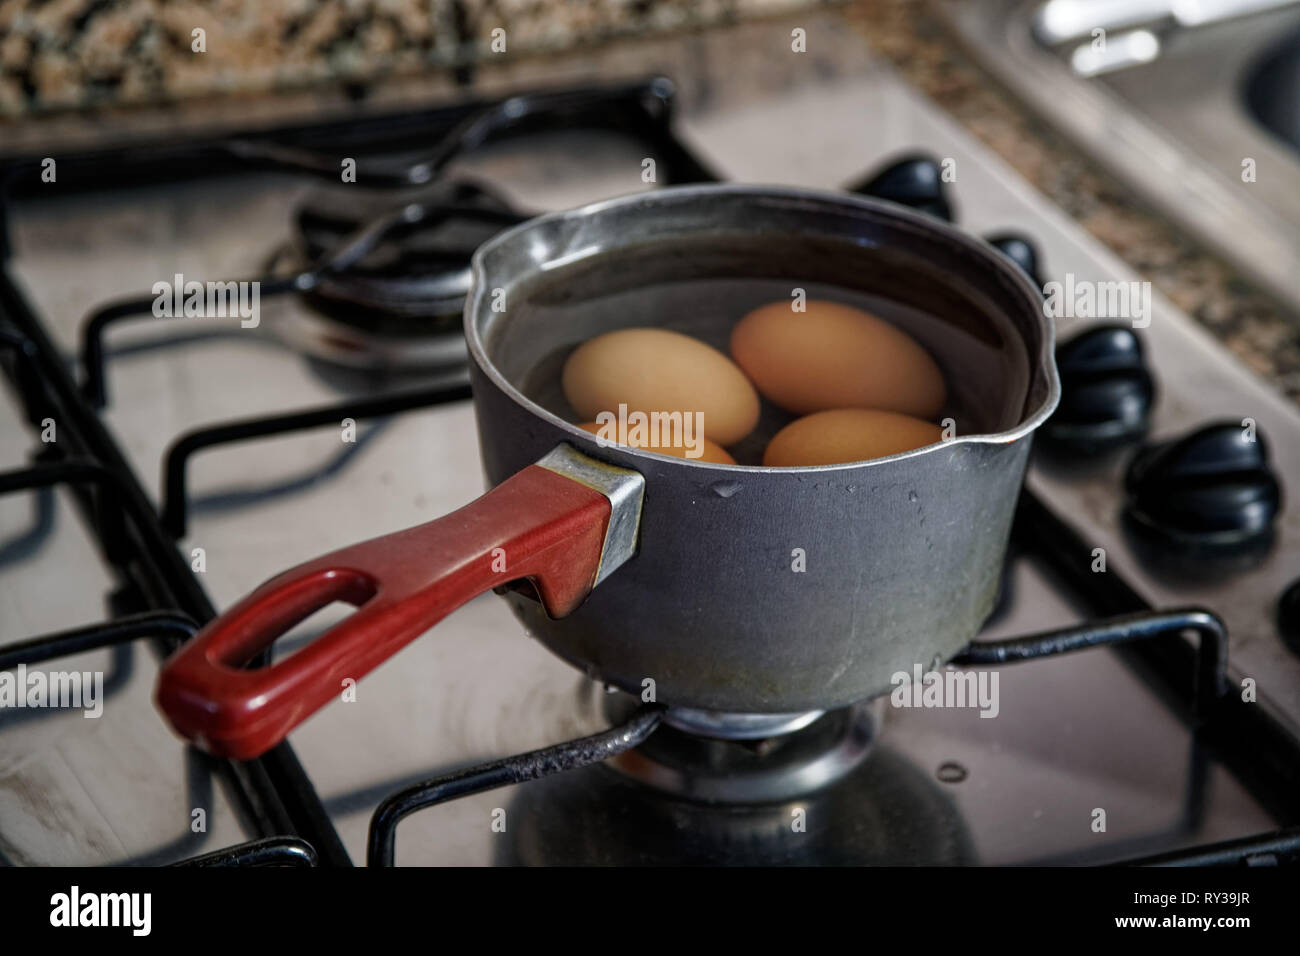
point(743, 597)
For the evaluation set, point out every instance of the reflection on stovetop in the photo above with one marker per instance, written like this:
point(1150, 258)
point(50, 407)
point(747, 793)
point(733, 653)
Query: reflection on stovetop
point(887, 812)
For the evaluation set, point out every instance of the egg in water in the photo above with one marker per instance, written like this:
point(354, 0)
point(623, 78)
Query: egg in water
point(656, 370)
point(843, 435)
point(835, 356)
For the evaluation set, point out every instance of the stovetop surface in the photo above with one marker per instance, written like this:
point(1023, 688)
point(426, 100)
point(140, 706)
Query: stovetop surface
point(1073, 733)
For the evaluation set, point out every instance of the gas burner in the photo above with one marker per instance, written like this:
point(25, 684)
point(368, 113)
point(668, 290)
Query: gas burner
point(794, 755)
point(399, 305)
point(712, 723)
point(884, 810)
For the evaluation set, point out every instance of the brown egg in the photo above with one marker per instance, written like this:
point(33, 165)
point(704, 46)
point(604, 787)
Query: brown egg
point(655, 370)
point(847, 434)
point(709, 451)
point(835, 356)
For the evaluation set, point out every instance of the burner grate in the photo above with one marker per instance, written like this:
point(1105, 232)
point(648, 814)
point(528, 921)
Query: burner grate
point(174, 498)
point(274, 791)
point(1125, 629)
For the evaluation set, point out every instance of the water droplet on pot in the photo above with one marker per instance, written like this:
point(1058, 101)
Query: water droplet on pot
point(725, 489)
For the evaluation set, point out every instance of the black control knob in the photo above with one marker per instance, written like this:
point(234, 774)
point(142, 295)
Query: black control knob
point(1212, 487)
point(1020, 251)
point(915, 181)
point(1288, 616)
point(1106, 391)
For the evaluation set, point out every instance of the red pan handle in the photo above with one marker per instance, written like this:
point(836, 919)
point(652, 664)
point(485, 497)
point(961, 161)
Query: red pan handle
point(563, 523)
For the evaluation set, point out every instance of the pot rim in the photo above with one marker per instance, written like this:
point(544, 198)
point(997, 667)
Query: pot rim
point(1042, 367)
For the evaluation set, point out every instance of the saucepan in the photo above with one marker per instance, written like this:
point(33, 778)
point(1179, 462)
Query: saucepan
point(740, 596)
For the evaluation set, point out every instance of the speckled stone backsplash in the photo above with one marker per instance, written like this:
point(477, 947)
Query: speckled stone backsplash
point(72, 54)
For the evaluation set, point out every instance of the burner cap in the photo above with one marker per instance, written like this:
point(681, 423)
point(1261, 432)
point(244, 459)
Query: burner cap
point(808, 754)
point(401, 304)
point(712, 723)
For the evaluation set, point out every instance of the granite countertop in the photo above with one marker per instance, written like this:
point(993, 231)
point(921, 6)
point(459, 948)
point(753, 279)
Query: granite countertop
point(906, 33)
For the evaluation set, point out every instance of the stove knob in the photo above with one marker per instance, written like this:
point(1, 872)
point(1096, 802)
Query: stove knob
point(1106, 391)
point(1020, 251)
point(1288, 616)
point(1211, 487)
point(915, 181)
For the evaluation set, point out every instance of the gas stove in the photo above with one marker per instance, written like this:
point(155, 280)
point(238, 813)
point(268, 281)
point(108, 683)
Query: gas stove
point(1133, 698)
